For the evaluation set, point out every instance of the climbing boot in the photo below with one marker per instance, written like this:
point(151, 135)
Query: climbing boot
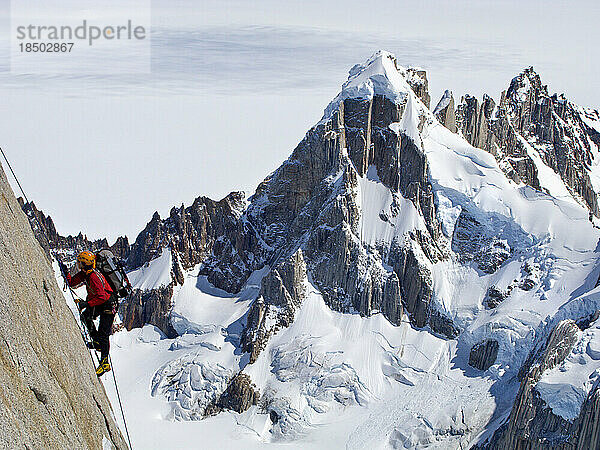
point(103, 367)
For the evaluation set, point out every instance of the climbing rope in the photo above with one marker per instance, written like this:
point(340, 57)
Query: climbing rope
point(119, 398)
point(82, 328)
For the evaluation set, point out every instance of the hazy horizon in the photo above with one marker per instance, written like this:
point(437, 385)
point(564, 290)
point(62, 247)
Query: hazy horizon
point(235, 87)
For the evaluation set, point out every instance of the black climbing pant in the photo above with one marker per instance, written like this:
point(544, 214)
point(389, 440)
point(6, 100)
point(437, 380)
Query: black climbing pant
point(106, 311)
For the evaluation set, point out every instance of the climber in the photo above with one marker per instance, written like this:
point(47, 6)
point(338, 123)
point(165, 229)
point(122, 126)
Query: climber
point(100, 301)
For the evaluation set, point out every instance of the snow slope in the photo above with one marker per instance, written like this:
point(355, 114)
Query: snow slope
point(154, 274)
point(377, 76)
point(385, 215)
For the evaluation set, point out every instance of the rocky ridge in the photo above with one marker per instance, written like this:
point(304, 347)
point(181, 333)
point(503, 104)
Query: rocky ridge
point(531, 130)
point(67, 246)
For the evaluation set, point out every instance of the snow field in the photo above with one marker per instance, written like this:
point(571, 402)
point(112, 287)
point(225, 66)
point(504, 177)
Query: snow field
point(155, 274)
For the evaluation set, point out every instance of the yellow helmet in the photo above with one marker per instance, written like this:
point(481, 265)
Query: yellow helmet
point(87, 261)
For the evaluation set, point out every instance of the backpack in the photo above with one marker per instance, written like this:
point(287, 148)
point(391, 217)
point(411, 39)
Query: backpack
point(113, 271)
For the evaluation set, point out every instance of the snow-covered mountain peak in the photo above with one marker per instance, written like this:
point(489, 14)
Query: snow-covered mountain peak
point(378, 75)
point(522, 84)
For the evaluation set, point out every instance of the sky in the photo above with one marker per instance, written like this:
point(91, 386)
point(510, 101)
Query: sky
point(235, 85)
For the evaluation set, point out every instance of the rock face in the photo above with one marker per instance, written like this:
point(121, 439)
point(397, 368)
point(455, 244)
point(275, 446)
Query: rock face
point(50, 396)
point(149, 307)
point(282, 292)
point(532, 424)
point(417, 80)
point(587, 431)
point(477, 241)
point(239, 395)
point(483, 355)
point(531, 127)
point(472, 118)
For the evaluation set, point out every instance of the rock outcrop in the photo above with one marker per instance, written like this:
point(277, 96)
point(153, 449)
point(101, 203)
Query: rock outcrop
point(240, 394)
point(50, 396)
point(495, 296)
point(417, 80)
point(587, 430)
point(483, 355)
point(478, 241)
point(149, 307)
point(282, 292)
point(473, 119)
point(532, 424)
point(444, 111)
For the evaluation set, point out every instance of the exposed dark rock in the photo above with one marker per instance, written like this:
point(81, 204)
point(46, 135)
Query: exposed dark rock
point(476, 241)
point(532, 424)
point(348, 278)
point(121, 248)
point(417, 80)
point(240, 395)
point(527, 285)
point(149, 307)
point(416, 280)
point(473, 119)
point(483, 355)
point(587, 430)
point(282, 292)
point(443, 325)
point(495, 296)
point(532, 275)
point(585, 322)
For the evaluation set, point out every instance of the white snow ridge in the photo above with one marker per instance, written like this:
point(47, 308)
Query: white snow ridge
point(514, 261)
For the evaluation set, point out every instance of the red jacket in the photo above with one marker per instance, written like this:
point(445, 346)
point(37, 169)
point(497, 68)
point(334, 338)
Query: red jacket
point(98, 289)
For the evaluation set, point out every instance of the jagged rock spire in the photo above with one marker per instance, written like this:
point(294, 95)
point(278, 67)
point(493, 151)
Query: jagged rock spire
point(530, 130)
